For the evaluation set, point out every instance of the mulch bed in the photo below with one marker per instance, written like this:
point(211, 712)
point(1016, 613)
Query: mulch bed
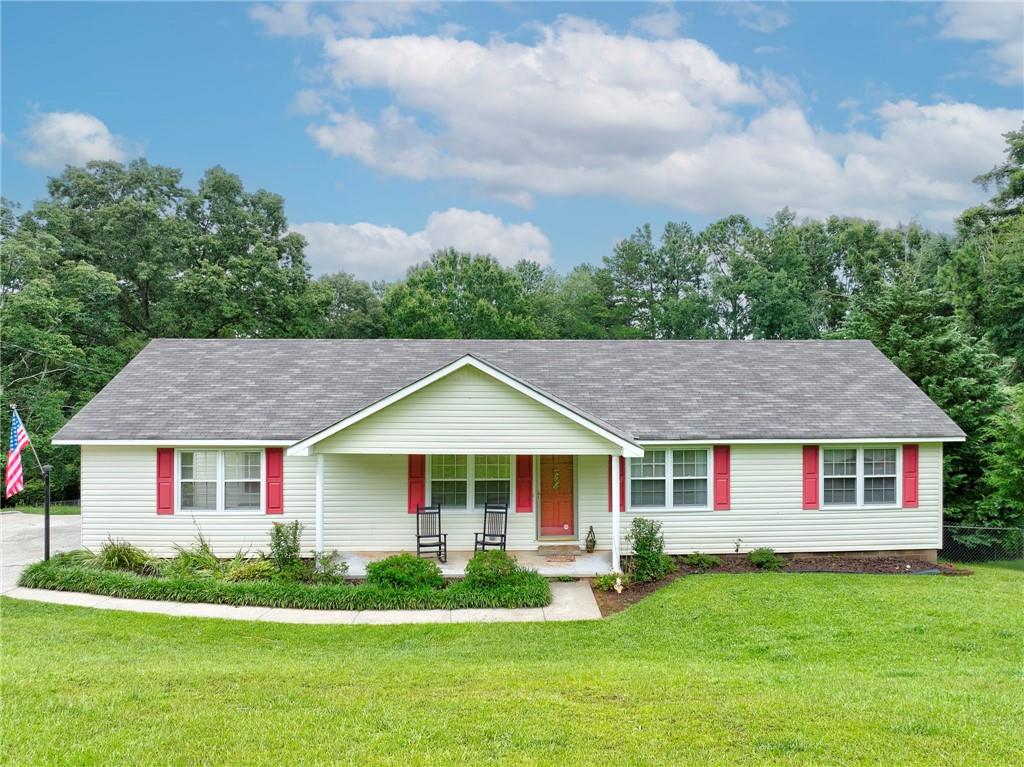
point(611, 602)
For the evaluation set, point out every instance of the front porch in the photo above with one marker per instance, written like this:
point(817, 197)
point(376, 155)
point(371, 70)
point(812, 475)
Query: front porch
point(578, 565)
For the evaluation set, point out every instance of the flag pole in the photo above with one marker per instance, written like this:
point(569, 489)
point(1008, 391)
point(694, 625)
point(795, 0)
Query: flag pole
point(45, 469)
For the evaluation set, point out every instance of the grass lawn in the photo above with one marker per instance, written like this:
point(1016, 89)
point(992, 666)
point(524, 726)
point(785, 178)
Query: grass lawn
point(715, 669)
point(54, 509)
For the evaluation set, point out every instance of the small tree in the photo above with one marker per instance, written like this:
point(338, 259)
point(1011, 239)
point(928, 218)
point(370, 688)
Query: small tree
point(649, 561)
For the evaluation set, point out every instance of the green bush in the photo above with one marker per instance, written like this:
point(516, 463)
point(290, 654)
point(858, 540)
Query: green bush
point(405, 571)
point(121, 555)
point(251, 570)
point(285, 545)
point(701, 561)
point(649, 561)
point(608, 581)
point(766, 559)
point(488, 569)
point(198, 561)
point(523, 589)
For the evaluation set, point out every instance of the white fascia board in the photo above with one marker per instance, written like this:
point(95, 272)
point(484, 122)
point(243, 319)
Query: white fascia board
point(178, 442)
point(628, 448)
point(807, 441)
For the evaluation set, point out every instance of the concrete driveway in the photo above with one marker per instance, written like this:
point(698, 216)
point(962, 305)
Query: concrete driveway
point(21, 541)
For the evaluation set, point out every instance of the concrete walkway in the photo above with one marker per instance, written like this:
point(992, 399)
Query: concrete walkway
point(570, 602)
point(21, 541)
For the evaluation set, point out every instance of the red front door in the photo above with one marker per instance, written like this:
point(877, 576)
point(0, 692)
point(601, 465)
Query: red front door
point(556, 506)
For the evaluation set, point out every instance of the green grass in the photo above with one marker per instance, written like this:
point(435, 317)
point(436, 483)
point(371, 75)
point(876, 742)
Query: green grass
point(54, 509)
point(714, 670)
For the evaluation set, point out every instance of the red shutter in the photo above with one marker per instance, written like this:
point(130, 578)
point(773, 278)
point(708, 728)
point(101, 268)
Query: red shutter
point(524, 483)
point(165, 480)
point(722, 478)
point(275, 480)
point(910, 456)
point(622, 483)
point(810, 476)
point(417, 481)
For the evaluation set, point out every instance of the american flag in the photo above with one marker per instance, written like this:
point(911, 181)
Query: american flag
point(19, 438)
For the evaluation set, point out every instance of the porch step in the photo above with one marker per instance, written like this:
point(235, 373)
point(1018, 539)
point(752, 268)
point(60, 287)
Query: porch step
point(559, 552)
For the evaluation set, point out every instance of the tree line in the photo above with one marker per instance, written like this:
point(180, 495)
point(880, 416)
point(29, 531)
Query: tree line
point(118, 254)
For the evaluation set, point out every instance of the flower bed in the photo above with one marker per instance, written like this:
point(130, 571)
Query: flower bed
point(282, 579)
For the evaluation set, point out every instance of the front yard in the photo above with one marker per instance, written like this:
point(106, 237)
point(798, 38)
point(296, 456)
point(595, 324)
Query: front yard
point(716, 669)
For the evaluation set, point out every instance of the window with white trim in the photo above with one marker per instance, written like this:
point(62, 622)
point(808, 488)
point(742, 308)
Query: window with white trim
point(860, 476)
point(220, 480)
point(455, 479)
point(677, 478)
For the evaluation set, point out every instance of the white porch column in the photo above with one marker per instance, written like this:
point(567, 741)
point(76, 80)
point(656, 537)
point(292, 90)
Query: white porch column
point(616, 514)
point(319, 503)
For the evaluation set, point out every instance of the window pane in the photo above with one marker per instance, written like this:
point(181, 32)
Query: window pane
point(879, 490)
point(690, 492)
point(647, 492)
point(199, 464)
point(650, 466)
point(492, 491)
point(880, 462)
point(840, 491)
point(492, 467)
point(242, 465)
point(198, 495)
point(448, 493)
point(840, 463)
point(448, 467)
point(242, 495)
point(689, 463)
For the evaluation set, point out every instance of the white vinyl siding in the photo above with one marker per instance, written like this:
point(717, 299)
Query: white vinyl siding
point(467, 412)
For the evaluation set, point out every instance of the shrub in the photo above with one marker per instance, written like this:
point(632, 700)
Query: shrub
point(197, 561)
point(488, 569)
point(329, 567)
point(523, 589)
point(609, 581)
point(121, 555)
point(251, 570)
point(701, 561)
point(766, 559)
point(649, 561)
point(284, 544)
point(405, 571)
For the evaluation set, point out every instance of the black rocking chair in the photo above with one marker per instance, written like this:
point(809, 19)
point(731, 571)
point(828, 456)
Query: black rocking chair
point(429, 537)
point(495, 525)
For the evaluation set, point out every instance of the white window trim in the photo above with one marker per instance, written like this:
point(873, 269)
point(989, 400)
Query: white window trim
point(860, 478)
point(220, 481)
point(471, 506)
point(670, 505)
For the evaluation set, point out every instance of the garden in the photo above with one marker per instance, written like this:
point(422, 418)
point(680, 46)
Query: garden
point(280, 577)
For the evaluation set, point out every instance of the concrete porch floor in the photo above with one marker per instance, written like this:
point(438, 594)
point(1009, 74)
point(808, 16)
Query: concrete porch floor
point(584, 565)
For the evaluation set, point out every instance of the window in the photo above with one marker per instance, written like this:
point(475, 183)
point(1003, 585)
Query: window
point(448, 480)
point(647, 479)
point(673, 479)
point(860, 476)
point(690, 477)
point(220, 480)
point(879, 476)
point(840, 477)
point(454, 479)
point(492, 479)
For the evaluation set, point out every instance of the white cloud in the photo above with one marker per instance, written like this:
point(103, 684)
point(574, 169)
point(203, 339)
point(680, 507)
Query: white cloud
point(999, 24)
point(56, 139)
point(382, 252)
point(760, 17)
point(662, 22)
point(300, 19)
point(583, 111)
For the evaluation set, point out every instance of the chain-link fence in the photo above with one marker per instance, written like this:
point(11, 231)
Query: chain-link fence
point(962, 543)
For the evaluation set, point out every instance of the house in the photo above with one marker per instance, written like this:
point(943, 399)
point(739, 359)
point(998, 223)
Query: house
point(802, 446)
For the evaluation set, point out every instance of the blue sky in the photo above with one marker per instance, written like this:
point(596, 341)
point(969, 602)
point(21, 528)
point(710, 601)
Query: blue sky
point(541, 130)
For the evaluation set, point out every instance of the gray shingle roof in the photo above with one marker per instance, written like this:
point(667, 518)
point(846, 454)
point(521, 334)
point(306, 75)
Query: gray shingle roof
point(189, 389)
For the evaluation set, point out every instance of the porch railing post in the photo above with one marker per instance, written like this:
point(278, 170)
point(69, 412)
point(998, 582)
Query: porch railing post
point(616, 500)
point(319, 503)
